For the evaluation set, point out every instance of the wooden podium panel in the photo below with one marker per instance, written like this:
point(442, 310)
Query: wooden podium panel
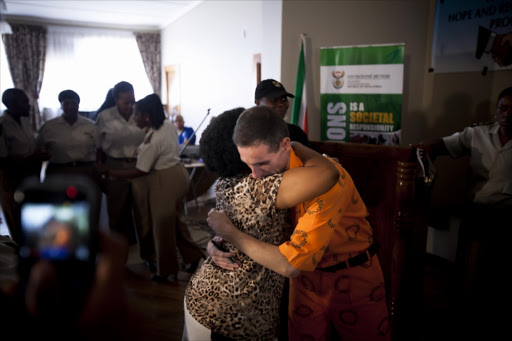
point(386, 178)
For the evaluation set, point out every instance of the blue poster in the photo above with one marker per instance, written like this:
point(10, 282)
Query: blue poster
point(472, 35)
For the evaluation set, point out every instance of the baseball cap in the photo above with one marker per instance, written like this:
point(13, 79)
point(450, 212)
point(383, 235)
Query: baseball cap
point(69, 94)
point(271, 89)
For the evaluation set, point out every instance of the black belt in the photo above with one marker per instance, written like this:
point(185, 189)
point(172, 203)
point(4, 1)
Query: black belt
point(124, 159)
point(354, 261)
point(72, 164)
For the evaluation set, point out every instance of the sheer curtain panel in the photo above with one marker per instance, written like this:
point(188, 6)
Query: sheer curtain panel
point(90, 61)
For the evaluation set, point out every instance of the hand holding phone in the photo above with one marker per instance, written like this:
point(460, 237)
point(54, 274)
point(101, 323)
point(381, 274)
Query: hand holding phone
point(58, 220)
point(223, 249)
point(106, 310)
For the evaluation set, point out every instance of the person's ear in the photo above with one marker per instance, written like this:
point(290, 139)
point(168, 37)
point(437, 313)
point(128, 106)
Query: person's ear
point(286, 144)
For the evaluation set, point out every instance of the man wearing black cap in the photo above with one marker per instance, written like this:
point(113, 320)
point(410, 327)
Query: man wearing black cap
point(271, 93)
point(69, 140)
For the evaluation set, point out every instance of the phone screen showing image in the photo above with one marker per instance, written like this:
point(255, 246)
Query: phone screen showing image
point(56, 231)
point(58, 221)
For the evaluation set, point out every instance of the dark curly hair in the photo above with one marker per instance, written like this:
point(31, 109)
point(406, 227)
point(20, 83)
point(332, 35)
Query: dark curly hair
point(217, 148)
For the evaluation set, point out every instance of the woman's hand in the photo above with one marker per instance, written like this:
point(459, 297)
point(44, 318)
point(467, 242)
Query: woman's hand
point(220, 258)
point(106, 313)
point(106, 297)
point(222, 225)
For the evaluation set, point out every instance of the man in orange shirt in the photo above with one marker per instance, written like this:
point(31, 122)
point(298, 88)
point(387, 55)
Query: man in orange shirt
point(336, 279)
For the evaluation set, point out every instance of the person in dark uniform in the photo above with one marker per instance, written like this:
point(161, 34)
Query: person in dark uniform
point(271, 93)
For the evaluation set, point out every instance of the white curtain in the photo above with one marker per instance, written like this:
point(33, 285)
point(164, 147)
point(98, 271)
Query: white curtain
point(90, 62)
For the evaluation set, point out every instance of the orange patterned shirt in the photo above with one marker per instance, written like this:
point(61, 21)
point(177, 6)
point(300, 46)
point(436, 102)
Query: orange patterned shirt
point(330, 228)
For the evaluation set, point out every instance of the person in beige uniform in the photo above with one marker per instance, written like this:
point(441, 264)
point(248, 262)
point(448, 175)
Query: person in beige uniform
point(159, 183)
point(117, 140)
point(69, 139)
point(18, 155)
point(485, 228)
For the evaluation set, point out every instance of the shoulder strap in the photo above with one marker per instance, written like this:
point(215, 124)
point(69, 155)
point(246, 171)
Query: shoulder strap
point(481, 124)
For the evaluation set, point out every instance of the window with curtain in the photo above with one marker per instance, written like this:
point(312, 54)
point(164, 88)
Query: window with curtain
point(90, 62)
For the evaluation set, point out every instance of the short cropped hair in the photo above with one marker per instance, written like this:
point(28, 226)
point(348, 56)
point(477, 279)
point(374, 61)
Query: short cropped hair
point(260, 124)
point(152, 105)
point(217, 149)
point(11, 96)
point(505, 92)
point(122, 87)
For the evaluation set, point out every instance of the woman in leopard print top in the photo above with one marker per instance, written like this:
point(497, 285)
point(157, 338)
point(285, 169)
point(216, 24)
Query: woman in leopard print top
point(244, 304)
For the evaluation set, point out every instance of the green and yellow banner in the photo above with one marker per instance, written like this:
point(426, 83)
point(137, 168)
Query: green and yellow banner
point(361, 93)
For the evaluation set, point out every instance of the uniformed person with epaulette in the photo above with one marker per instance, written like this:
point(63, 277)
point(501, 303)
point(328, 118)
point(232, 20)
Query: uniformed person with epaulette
point(19, 157)
point(160, 182)
point(118, 139)
point(486, 229)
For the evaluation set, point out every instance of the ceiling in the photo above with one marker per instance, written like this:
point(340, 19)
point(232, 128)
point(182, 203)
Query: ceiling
point(131, 14)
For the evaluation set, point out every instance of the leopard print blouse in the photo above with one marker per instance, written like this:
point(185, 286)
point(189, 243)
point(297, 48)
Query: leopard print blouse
point(243, 304)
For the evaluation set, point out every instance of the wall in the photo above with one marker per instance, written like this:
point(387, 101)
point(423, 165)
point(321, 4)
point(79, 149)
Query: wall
point(434, 105)
point(213, 45)
point(271, 24)
point(340, 23)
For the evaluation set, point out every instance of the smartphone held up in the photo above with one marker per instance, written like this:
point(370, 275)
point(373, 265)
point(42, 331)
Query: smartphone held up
point(59, 223)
